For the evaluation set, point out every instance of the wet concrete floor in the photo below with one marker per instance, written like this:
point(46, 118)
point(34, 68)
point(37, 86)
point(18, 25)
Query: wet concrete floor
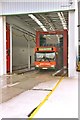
point(13, 85)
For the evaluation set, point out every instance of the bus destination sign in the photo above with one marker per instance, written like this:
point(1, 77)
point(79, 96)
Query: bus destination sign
point(44, 49)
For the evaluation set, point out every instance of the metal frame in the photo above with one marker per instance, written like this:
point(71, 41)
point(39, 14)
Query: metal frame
point(7, 47)
point(65, 43)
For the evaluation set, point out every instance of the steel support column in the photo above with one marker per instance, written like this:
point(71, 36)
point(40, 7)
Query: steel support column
point(37, 38)
point(10, 48)
point(73, 44)
point(2, 45)
point(29, 55)
point(65, 49)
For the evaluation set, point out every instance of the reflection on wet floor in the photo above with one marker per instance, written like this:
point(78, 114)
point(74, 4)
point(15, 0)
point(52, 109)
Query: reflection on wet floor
point(13, 85)
point(20, 71)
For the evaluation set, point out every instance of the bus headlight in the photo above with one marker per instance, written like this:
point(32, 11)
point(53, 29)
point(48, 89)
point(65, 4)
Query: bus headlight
point(52, 65)
point(37, 65)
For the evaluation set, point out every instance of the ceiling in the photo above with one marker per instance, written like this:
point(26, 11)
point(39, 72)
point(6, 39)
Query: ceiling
point(50, 20)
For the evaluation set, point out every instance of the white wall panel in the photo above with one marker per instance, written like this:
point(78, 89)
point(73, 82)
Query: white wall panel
point(20, 57)
point(2, 45)
point(32, 6)
point(20, 44)
point(72, 47)
point(20, 51)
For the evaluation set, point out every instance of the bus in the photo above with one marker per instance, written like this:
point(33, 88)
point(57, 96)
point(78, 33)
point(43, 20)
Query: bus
point(45, 57)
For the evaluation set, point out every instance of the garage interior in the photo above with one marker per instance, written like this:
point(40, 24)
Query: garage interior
point(24, 29)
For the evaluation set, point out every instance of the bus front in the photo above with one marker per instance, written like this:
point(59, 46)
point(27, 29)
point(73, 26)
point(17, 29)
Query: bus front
point(45, 58)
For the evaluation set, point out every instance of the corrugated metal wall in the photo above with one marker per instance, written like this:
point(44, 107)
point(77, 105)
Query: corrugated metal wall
point(32, 6)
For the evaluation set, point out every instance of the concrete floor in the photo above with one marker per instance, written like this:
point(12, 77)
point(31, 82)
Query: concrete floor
point(13, 85)
point(29, 89)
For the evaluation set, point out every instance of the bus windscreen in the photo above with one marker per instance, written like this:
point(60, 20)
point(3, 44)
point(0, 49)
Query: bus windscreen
point(45, 56)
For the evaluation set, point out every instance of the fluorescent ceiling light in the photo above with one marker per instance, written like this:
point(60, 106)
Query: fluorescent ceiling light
point(62, 18)
point(37, 21)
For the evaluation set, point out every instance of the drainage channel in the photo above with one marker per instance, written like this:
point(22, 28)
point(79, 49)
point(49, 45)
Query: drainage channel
point(42, 89)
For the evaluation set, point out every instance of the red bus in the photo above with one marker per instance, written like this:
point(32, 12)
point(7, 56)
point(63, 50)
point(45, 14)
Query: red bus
point(45, 57)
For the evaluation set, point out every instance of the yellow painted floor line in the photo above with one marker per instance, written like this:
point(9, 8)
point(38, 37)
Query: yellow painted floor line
point(45, 99)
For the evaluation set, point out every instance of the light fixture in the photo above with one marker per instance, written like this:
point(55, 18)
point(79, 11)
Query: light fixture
point(37, 21)
point(62, 18)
